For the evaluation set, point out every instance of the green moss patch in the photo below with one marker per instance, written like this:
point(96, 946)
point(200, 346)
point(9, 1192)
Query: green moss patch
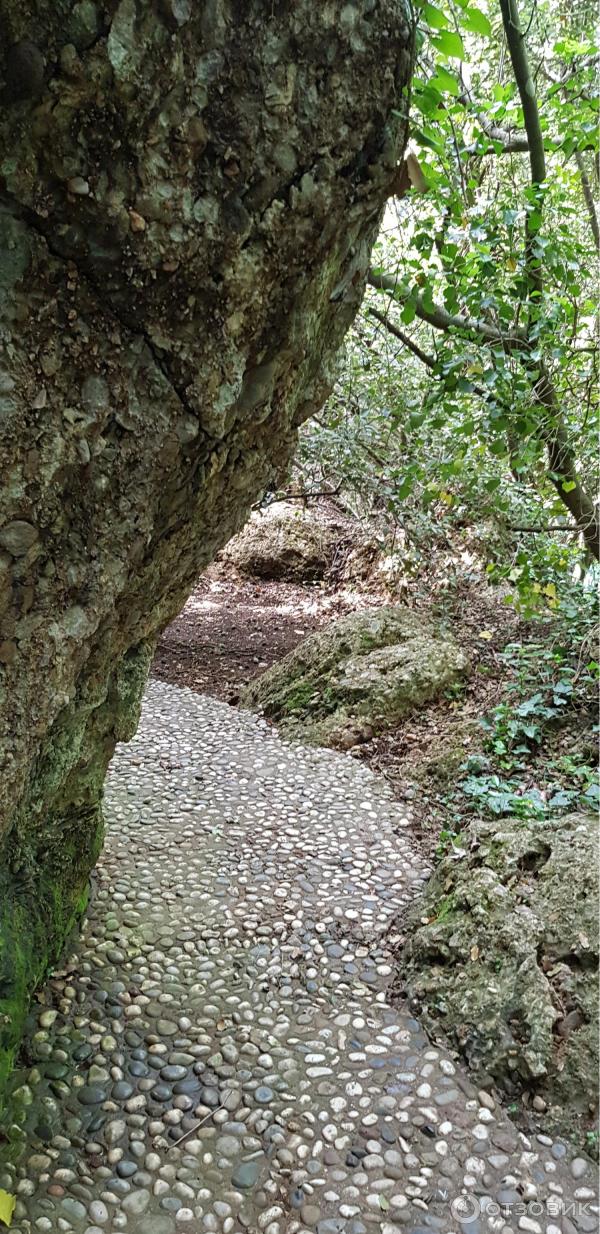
point(43, 894)
point(46, 859)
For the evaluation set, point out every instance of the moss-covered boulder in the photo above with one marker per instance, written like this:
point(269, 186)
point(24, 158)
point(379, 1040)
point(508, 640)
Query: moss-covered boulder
point(288, 545)
point(502, 955)
point(190, 195)
point(359, 676)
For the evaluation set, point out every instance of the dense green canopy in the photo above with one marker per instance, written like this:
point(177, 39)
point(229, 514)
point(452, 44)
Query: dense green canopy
point(469, 393)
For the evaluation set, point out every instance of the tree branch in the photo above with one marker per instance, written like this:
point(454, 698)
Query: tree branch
point(588, 196)
point(537, 531)
point(440, 319)
point(512, 143)
point(563, 468)
point(531, 116)
point(526, 88)
point(423, 356)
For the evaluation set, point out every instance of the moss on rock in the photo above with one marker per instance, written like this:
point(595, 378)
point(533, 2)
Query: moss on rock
point(46, 860)
point(502, 955)
point(360, 675)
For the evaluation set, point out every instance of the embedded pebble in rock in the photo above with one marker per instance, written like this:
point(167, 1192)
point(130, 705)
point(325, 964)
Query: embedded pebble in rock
point(219, 1052)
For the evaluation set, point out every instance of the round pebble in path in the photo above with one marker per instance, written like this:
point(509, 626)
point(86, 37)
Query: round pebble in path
point(219, 1053)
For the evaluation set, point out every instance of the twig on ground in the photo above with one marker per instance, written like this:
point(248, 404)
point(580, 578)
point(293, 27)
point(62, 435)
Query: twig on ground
point(204, 1120)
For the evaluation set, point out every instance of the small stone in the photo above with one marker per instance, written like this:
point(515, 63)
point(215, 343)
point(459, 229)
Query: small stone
point(166, 1028)
point(115, 1131)
point(78, 186)
point(98, 1212)
point(136, 221)
point(228, 1146)
point(507, 1196)
point(90, 1094)
point(73, 1209)
point(121, 1091)
point(18, 537)
point(246, 1173)
point(39, 1162)
point(125, 1169)
point(579, 1167)
point(136, 1203)
point(48, 1017)
point(158, 1224)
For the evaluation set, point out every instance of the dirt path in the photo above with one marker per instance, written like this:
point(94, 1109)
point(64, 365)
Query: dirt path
point(233, 628)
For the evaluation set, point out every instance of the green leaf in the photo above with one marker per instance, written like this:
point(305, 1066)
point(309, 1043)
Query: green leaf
point(428, 140)
point(416, 419)
point(445, 81)
point(404, 488)
point(449, 43)
point(434, 17)
point(7, 1206)
point(427, 100)
point(476, 22)
point(568, 486)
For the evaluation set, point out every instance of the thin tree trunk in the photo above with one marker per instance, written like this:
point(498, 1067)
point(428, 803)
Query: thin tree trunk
point(589, 199)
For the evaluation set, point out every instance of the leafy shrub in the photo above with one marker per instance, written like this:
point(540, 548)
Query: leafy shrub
point(522, 769)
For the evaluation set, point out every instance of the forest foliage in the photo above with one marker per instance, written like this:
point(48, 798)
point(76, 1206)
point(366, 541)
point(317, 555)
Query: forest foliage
point(468, 398)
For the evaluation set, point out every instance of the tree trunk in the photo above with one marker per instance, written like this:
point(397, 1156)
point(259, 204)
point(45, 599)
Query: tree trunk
point(190, 192)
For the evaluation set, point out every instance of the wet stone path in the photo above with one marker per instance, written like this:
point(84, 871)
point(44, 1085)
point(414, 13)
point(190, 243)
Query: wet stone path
point(219, 1052)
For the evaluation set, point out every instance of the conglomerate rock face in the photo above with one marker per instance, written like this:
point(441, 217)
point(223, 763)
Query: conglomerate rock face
point(189, 195)
point(359, 676)
point(502, 954)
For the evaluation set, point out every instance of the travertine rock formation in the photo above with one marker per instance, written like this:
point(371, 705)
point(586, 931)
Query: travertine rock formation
point(502, 956)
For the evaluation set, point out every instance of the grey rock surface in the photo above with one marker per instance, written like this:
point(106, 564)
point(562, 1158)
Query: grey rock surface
point(503, 955)
point(289, 545)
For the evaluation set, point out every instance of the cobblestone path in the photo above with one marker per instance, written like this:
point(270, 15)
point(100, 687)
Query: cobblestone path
point(219, 1052)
